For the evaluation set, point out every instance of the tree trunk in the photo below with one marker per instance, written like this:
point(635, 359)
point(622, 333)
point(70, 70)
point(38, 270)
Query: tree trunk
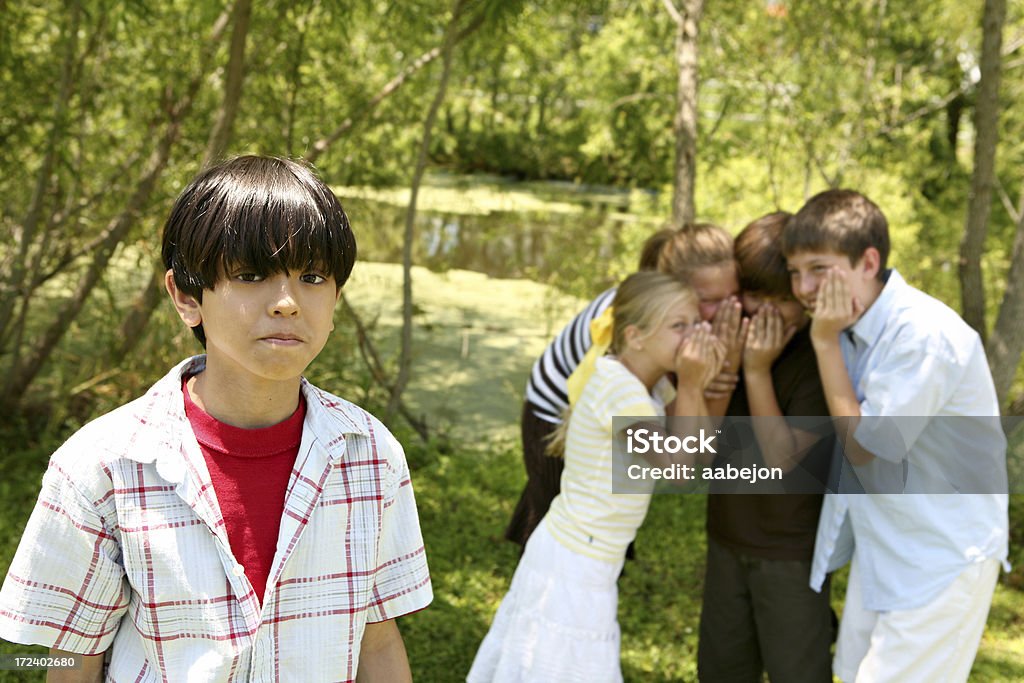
point(223, 129)
point(13, 287)
point(139, 312)
point(1007, 341)
point(22, 375)
point(687, 20)
point(142, 307)
point(294, 87)
point(986, 127)
point(372, 359)
point(405, 355)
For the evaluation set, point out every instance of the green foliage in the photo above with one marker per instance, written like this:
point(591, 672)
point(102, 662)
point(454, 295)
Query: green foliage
point(867, 94)
point(22, 466)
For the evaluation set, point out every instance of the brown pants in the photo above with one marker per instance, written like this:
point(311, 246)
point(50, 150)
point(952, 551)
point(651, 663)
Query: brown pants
point(543, 477)
point(761, 616)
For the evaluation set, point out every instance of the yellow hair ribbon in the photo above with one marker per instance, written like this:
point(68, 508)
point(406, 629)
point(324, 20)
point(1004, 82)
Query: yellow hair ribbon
point(601, 339)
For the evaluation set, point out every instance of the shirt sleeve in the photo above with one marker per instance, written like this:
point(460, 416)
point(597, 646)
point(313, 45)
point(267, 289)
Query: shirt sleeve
point(626, 397)
point(902, 393)
point(621, 401)
point(401, 581)
point(66, 587)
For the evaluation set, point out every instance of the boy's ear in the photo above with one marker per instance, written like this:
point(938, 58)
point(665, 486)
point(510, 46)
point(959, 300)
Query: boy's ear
point(185, 304)
point(871, 261)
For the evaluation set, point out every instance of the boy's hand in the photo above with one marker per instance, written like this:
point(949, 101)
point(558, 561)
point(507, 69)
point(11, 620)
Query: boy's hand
point(730, 327)
point(766, 339)
point(835, 309)
point(721, 386)
point(715, 354)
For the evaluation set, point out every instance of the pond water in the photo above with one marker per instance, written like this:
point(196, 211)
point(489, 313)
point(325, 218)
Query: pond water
point(557, 233)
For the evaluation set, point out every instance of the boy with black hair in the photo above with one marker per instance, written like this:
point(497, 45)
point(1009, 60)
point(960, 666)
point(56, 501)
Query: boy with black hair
point(235, 523)
point(919, 414)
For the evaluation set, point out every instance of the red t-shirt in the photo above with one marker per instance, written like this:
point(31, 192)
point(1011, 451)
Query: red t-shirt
point(250, 469)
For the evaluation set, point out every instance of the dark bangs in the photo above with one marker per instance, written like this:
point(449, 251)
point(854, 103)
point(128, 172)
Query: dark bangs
point(259, 215)
point(762, 267)
point(284, 231)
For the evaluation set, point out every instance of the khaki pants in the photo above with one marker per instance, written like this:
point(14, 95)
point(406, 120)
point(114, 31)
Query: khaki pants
point(936, 642)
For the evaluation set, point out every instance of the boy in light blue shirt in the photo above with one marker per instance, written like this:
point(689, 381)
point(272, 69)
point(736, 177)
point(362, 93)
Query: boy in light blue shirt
point(912, 381)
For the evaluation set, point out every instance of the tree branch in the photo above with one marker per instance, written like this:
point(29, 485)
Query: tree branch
point(372, 359)
point(673, 11)
point(1006, 344)
point(13, 282)
point(321, 145)
point(405, 353)
point(222, 131)
point(684, 123)
point(23, 372)
point(1015, 212)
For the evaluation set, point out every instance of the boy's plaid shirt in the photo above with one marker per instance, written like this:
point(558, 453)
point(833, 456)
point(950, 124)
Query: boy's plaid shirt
point(127, 550)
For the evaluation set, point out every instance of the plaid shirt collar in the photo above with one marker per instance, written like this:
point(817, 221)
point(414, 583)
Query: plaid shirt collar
point(163, 426)
point(164, 437)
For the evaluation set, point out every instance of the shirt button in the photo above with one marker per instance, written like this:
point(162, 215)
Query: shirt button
point(238, 570)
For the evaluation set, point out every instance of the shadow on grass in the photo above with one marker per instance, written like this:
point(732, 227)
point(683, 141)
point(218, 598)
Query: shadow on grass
point(464, 502)
point(660, 593)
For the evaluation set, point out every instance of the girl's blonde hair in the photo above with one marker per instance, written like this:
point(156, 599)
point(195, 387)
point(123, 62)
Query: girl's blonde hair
point(642, 300)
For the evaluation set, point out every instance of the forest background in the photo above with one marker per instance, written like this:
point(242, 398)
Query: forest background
point(501, 162)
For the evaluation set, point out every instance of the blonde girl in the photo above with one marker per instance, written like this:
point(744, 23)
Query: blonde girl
point(558, 620)
point(699, 254)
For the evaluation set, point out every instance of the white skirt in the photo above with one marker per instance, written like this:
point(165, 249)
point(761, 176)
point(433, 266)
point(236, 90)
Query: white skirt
point(557, 623)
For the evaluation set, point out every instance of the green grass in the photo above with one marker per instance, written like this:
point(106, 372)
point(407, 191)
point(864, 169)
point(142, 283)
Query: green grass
point(466, 498)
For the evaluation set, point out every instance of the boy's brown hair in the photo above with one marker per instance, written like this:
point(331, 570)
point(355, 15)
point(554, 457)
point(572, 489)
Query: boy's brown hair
point(759, 256)
point(840, 221)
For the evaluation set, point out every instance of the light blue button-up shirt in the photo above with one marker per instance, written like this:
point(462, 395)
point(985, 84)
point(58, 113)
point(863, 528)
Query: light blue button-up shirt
point(913, 359)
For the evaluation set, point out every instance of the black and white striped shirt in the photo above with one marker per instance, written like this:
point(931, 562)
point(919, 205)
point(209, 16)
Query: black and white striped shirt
point(546, 391)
